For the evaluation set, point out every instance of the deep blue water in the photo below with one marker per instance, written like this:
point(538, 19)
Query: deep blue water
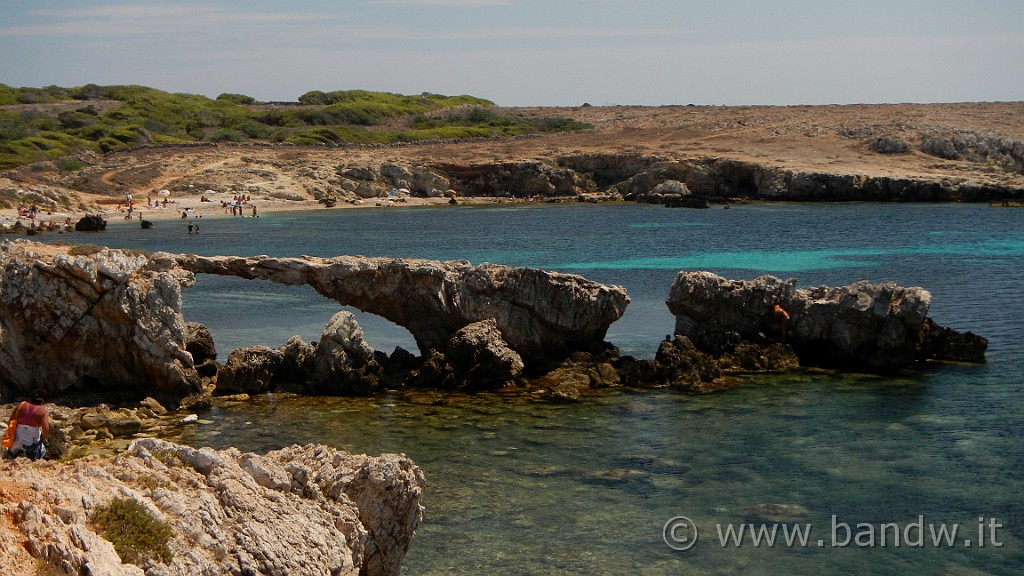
point(519, 487)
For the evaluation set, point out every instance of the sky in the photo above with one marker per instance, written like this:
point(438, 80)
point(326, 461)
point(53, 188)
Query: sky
point(529, 52)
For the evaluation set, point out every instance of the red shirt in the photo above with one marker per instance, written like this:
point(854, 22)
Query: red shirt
point(32, 415)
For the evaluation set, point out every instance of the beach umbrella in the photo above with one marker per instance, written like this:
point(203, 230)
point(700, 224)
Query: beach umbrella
point(165, 192)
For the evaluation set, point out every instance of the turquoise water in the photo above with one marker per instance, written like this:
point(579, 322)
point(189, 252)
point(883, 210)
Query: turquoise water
point(520, 487)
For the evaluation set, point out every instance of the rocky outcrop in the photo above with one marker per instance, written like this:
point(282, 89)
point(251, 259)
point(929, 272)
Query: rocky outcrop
point(300, 510)
point(370, 182)
point(90, 318)
point(341, 363)
point(522, 179)
point(93, 318)
point(647, 179)
point(543, 316)
point(862, 325)
point(91, 223)
point(476, 357)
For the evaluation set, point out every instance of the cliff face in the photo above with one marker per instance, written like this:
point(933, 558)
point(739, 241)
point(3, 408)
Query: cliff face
point(300, 510)
point(100, 318)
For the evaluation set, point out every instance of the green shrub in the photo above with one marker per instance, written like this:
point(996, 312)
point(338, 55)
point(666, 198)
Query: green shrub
point(227, 136)
point(256, 130)
point(138, 537)
point(8, 95)
point(108, 144)
point(73, 120)
point(71, 164)
point(146, 115)
point(236, 98)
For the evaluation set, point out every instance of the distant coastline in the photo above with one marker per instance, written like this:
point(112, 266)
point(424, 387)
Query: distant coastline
point(689, 156)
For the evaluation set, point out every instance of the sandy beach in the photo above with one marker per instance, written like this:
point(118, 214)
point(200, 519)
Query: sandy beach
point(193, 209)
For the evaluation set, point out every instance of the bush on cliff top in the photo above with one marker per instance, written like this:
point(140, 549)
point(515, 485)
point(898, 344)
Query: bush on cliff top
point(138, 537)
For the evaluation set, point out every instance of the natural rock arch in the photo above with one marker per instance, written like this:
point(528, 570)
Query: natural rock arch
point(542, 315)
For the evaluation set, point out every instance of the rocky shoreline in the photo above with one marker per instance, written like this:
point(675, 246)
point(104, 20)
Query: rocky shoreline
point(103, 328)
point(106, 325)
point(688, 183)
point(300, 510)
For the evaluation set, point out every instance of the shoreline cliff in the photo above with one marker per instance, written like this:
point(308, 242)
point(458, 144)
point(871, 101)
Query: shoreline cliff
point(298, 510)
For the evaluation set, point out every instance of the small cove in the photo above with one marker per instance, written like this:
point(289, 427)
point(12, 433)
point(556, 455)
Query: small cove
point(516, 486)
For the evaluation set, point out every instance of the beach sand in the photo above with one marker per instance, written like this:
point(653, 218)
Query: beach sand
point(196, 209)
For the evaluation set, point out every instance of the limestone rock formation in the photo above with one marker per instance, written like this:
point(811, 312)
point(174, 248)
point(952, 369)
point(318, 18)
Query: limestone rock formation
point(340, 363)
point(541, 315)
point(300, 510)
point(519, 179)
point(85, 317)
point(481, 357)
point(249, 370)
point(90, 318)
point(476, 357)
point(863, 325)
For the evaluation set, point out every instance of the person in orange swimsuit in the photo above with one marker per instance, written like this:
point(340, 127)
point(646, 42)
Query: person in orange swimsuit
point(782, 317)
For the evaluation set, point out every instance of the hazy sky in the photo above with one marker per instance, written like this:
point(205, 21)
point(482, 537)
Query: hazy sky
point(529, 52)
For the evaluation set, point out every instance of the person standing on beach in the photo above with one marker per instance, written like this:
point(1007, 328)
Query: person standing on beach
point(29, 426)
point(254, 214)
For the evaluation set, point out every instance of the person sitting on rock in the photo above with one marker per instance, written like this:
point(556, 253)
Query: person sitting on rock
point(782, 317)
point(31, 425)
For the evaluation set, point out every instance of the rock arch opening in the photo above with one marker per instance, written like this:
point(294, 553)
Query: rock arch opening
point(240, 313)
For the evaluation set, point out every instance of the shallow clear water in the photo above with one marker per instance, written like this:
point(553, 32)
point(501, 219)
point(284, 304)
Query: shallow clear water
point(586, 488)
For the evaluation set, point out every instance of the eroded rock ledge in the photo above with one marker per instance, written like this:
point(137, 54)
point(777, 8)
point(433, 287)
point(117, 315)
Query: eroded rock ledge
point(300, 510)
point(862, 325)
point(109, 322)
point(541, 315)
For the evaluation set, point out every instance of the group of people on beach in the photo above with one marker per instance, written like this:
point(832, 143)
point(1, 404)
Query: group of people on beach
point(35, 223)
point(28, 210)
point(237, 205)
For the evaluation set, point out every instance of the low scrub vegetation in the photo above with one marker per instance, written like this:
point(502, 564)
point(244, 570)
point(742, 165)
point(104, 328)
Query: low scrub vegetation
point(136, 534)
point(52, 123)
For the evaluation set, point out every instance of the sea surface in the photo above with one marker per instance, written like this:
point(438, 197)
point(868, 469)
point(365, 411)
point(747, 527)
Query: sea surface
point(878, 469)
